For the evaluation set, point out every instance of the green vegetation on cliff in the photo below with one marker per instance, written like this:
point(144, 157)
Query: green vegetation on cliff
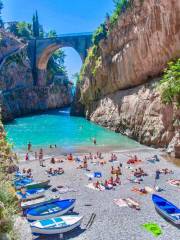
point(170, 84)
point(8, 200)
point(94, 56)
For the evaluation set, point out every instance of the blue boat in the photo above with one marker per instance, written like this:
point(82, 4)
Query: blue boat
point(167, 209)
point(50, 210)
point(22, 182)
point(30, 194)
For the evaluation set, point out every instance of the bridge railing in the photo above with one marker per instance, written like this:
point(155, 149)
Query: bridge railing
point(67, 35)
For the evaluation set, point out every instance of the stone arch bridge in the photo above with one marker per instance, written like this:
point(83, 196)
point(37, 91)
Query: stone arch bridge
point(41, 49)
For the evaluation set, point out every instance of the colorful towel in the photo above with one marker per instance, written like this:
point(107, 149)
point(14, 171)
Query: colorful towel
point(91, 186)
point(120, 202)
point(137, 190)
point(174, 182)
point(153, 228)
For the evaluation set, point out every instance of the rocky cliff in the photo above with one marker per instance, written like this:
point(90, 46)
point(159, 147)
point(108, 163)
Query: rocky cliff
point(18, 94)
point(138, 48)
point(135, 51)
point(139, 114)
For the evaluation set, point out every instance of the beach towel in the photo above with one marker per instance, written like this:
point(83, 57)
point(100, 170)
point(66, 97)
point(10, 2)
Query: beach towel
point(149, 189)
point(91, 186)
point(90, 175)
point(132, 203)
point(97, 174)
point(135, 189)
point(120, 202)
point(174, 182)
point(153, 228)
point(66, 190)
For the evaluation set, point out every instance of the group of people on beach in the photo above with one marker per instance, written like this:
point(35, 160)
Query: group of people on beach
point(39, 156)
point(57, 171)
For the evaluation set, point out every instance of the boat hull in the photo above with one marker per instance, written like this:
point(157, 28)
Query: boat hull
point(31, 196)
point(53, 231)
point(37, 202)
point(166, 209)
point(35, 185)
point(176, 222)
point(42, 217)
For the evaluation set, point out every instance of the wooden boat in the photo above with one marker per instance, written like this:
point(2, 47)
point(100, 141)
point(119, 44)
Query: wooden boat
point(167, 209)
point(33, 185)
point(38, 201)
point(31, 194)
point(57, 225)
point(50, 210)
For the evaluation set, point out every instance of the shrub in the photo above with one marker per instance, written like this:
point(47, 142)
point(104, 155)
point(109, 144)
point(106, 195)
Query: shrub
point(170, 84)
point(120, 7)
point(101, 33)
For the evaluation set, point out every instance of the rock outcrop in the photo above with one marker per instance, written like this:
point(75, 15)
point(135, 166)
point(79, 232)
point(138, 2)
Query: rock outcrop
point(19, 95)
point(139, 114)
point(8, 44)
point(117, 88)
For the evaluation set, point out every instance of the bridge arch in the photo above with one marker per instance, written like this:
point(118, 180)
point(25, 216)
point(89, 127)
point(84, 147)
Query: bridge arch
point(45, 47)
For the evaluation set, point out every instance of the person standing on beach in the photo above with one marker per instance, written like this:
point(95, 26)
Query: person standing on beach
point(157, 177)
point(27, 157)
point(41, 157)
point(29, 146)
point(94, 141)
point(35, 155)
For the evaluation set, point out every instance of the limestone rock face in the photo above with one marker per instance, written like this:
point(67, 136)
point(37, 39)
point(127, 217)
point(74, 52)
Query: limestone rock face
point(118, 90)
point(23, 101)
point(18, 95)
point(16, 72)
point(8, 43)
point(139, 114)
point(145, 38)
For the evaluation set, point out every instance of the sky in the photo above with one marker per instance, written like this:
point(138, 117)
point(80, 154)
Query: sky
point(64, 16)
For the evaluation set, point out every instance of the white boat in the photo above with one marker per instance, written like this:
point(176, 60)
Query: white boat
point(50, 210)
point(57, 225)
point(38, 201)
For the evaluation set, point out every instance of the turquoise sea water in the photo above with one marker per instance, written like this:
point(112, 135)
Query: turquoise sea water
point(57, 127)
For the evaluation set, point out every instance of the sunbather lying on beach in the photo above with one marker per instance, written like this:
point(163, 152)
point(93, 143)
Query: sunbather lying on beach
point(53, 172)
point(54, 160)
point(166, 171)
point(139, 190)
point(102, 161)
point(134, 160)
point(174, 182)
point(139, 173)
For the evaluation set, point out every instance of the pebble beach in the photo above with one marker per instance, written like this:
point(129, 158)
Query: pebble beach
point(110, 222)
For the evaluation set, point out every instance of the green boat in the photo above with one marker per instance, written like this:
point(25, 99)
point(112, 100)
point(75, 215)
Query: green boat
point(34, 185)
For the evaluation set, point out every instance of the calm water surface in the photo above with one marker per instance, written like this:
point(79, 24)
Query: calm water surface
point(58, 127)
